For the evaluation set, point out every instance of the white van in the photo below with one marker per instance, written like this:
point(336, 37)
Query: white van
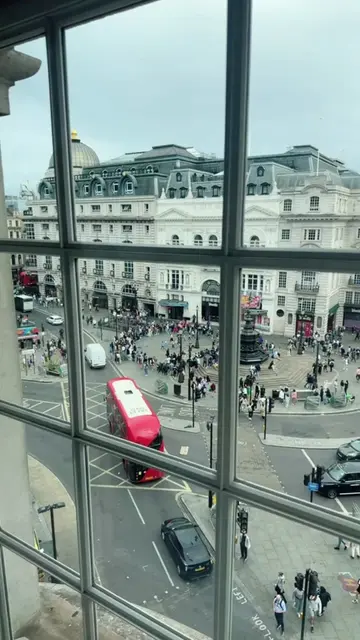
point(95, 356)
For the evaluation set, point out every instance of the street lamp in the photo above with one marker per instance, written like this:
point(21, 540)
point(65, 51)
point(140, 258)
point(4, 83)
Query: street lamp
point(317, 361)
point(192, 425)
point(189, 376)
point(51, 508)
point(197, 344)
point(300, 316)
point(210, 426)
point(180, 343)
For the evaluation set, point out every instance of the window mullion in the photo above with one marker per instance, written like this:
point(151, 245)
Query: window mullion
point(5, 617)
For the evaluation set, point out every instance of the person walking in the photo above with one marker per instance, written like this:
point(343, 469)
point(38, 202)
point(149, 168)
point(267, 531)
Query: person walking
point(357, 592)
point(298, 596)
point(340, 542)
point(355, 548)
point(279, 606)
point(280, 584)
point(244, 546)
point(325, 598)
point(314, 610)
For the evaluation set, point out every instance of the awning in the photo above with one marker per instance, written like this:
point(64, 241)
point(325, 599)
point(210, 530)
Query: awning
point(173, 303)
point(333, 309)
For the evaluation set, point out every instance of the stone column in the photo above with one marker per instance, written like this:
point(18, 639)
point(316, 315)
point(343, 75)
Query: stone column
point(15, 499)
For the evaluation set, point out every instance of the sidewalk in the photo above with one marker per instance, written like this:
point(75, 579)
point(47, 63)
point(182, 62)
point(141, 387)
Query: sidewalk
point(280, 545)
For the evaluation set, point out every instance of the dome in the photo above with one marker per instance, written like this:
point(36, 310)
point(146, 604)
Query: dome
point(82, 155)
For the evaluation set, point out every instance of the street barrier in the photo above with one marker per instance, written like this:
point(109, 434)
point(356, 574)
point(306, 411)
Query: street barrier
point(161, 387)
point(312, 402)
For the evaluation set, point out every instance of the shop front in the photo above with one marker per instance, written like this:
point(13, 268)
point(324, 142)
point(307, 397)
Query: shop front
point(210, 301)
point(305, 324)
point(331, 321)
point(351, 316)
point(173, 309)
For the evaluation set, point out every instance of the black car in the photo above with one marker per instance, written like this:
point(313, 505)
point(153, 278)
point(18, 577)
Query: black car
point(187, 548)
point(341, 479)
point(349, 451)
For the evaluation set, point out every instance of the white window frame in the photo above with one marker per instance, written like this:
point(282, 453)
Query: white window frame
point(285, 234)
point(231, 258)
point(129, 187)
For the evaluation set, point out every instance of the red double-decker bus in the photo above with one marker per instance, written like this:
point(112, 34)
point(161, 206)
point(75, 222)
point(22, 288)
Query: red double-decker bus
point(130, 416)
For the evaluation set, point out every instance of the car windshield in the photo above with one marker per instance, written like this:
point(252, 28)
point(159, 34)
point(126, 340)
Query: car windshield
point(336, 472)
point(355, 444)
point(188, 537)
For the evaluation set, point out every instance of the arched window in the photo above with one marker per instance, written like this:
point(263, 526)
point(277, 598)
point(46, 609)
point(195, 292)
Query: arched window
point(251, 189)
point(118, 172)
point(187, 280)
point(194, 177)
point(213, 241)
point(183, 192)
point(211, 288)
point(198, 241)
point(287, 205)
point(178, 177)
point(97, 240)
point(98, 189)
point(19, 258)
point(129, 187)
point(161, 277)
point(254, 241)
point(104, 174)
point(215, 191)
point(172, 192)
point(13, 260)
point(265, 189)
point(200, 192)
point(175, 240)
point(260, 172)
point(149, 169)
point(314, 203)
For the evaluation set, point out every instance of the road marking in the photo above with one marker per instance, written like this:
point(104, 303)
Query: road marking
point(308, 458)
point(108, 471)
point(184, 451)
point(136, 507)
point(66, 406)
point(163, 563)
point(337, 500)
point(98, 458)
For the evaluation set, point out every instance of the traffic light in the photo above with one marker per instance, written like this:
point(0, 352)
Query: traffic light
point(243, 518)
point(319, 474)
point(306, 479)
point(269, 400)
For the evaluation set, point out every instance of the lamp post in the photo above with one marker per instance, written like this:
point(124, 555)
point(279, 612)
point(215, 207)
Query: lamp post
point(210, 427)
point(300, 316)
point(180, 343)
point(197, 344)
point(51, 508)
point(192, 425)
point(317, 361)
point(189, 376)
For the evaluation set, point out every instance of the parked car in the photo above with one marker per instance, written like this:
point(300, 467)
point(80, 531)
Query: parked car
point(55, 320)
point(187, 548)
point(349, 451)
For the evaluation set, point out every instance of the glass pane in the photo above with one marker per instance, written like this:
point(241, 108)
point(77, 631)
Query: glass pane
point(29, 178)
point(157, 326)
point(143, 553)
point(148, 177)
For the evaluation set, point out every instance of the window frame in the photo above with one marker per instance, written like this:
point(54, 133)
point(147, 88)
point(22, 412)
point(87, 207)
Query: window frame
point(231, 258)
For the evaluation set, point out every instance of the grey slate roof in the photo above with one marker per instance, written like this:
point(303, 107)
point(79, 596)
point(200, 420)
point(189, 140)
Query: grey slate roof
point(166, 150)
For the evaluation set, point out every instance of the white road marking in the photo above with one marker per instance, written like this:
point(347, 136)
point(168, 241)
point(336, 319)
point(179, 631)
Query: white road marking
point(163, 564)
point(308, 458)
point(136, 507)
point(184, 451)
point(337, 500)
point(98, 458)
point(107, 471)
point(57, 406)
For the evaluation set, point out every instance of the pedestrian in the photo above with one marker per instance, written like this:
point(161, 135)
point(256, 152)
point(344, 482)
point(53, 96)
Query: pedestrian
point(279, 606)
point(280, 584)
point(245, 545)
point(314, 610)
point(355, 548)
point(346, 385)
point(340, 542)
point(294, 396)
point(298, 596)
point(357, 592)
point(325, 598)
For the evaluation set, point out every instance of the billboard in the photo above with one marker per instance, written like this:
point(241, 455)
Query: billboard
point(251, 301)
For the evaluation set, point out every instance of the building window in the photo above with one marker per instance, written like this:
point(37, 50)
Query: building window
point(172, 192)
point(11, 234)
point(187, 280)
point(110, 208)
point(149, 169)
point(255, 282)
point(99, 267)
point(84, 267)
point(161, 277)
point(183, 192)
point(285, 234)
point(45, 226)
point(200, 192)
point(198, 241)
point(118, 172)
point(307, 305)
point(260, 172)
point(31, 261)
point(147, 273)
point(282, 278)
point(126, 207)
point(348, 297)
point(81, 209)
point(82, 227)
point(308, 279)
point(86, 189)
point(29, 230)
point(358, 234)
point(129, 187)
point(129, 269)
point(115, 187)
point(96, 228)
point(48, 263)
point(215, 191)
point(319, 322)
point(265, 189)
point(95, 208)
point(46, 191)
point(314, 203)
point(178, 177)
point(175, 279)
point(146, 207)
point(111, 228)
point(98, 189)
point(175, 240)
point(194, 177)
point(356, 279)
point(127, 228)
point(147, 228)
point(104, 174)
point(356, 298)
point(312, 234)
point(254, 241)
point(213, 241)
point(287, 205)
point(290, 318)
point(281, 301)
point(43, 209)
point(251, 189)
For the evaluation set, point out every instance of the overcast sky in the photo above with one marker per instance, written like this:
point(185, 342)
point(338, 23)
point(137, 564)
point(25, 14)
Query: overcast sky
point(156, 75)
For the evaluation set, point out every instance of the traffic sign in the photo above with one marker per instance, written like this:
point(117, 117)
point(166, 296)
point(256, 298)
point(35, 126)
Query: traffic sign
point(313, 486)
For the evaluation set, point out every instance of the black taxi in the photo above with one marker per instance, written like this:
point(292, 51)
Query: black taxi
point(340, 479)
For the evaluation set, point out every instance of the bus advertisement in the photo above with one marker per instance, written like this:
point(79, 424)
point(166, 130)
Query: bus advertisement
point(27, 337)
point(130, 416)
point(23, 303)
